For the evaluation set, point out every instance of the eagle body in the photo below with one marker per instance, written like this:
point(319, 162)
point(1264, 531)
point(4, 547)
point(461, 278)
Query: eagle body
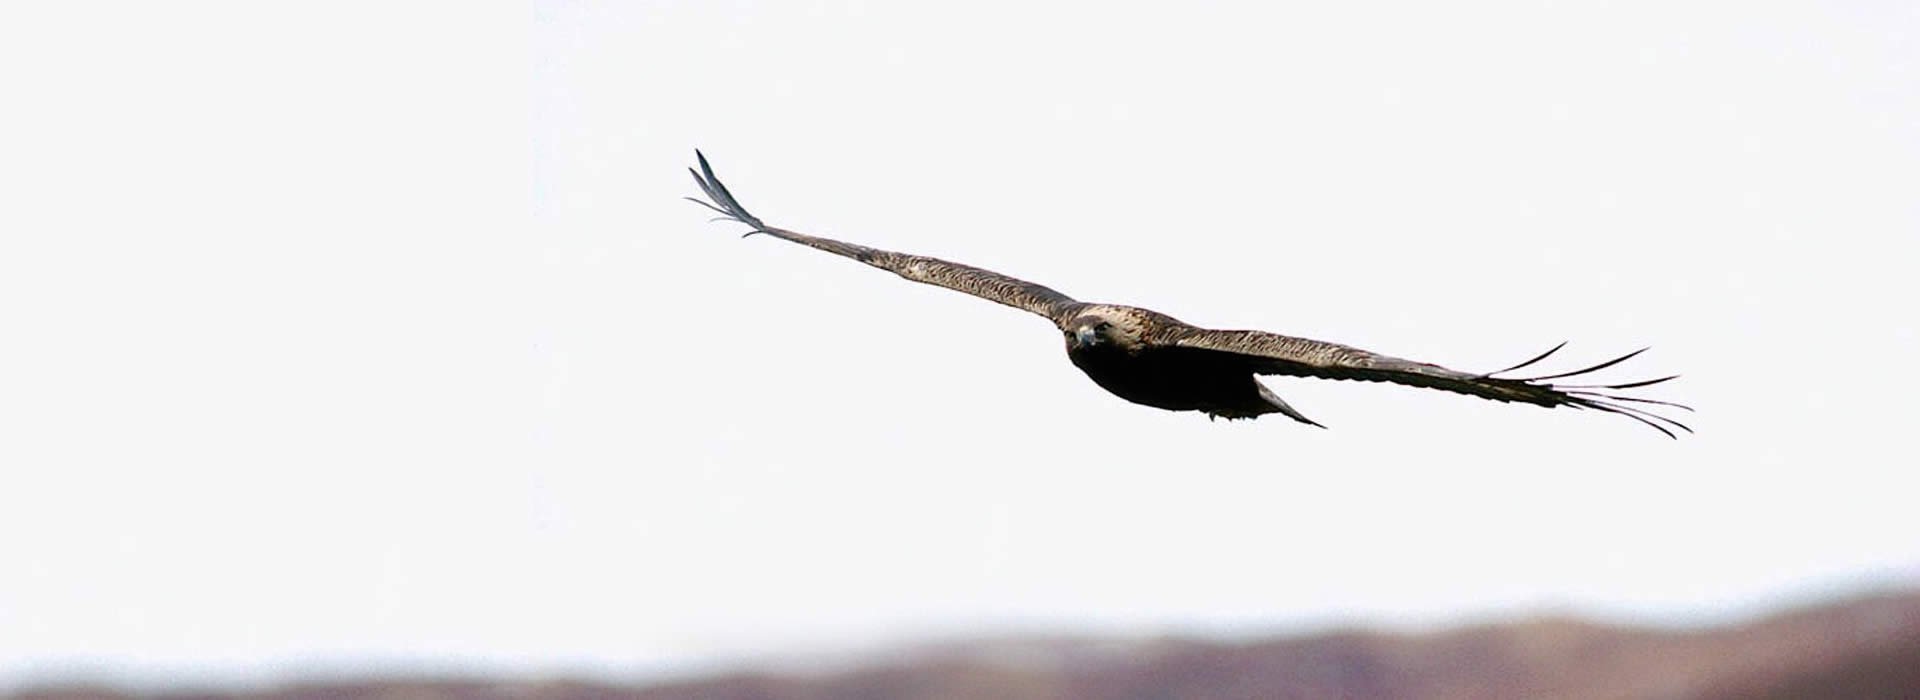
point(1153, 359)
point(1174, 380)
point(1124, 349)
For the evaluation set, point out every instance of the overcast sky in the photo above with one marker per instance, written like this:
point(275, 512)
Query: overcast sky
point(378, 334)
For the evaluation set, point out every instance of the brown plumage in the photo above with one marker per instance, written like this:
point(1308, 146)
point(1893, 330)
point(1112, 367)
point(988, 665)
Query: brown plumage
point(1156, 360)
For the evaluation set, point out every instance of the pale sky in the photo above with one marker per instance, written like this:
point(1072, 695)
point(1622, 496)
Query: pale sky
point(365, 336)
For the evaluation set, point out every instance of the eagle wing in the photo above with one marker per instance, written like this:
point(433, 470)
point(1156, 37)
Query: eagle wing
point(986, 284)
point(1271, 353)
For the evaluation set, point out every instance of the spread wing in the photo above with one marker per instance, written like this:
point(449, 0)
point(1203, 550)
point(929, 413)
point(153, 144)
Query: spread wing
point(1270, 353)
point(986, 284)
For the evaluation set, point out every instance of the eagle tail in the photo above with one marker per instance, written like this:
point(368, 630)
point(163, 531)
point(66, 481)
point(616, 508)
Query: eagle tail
point(1280, 406)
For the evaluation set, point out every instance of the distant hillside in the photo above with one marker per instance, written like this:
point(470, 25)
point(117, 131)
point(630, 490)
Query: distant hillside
point(1868, 648)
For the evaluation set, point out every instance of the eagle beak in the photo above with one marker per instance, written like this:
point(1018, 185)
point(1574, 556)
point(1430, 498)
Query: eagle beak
point(1086, 336)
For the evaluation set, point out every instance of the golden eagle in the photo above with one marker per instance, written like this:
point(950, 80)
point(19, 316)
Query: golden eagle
point(1154, 359)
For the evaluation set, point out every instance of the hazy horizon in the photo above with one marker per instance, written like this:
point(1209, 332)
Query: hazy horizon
point(827, 659)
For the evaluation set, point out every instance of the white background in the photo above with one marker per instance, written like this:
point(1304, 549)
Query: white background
point(375, 336)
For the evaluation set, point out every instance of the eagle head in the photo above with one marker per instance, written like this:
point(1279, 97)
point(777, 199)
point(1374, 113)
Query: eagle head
point(1103, 327)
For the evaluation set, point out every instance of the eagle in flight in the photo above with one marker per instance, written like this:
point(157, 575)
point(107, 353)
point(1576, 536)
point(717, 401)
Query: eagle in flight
point(1150, 358)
